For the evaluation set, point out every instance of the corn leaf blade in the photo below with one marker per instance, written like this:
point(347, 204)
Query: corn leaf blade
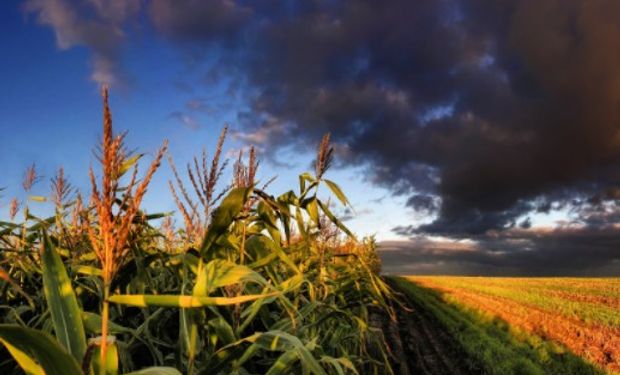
point(337, 192)
point(62, 302)
point(38, 346)
point(181, 301)
point(223, 216)
point(220, 272)
point(334, 219)
point(156, 371)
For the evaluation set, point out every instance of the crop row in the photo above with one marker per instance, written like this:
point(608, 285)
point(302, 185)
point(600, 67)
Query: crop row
point(586, 328)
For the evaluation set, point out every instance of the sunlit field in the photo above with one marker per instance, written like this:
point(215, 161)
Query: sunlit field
point(580, 315)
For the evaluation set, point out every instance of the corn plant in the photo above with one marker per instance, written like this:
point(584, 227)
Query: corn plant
point(250, 286)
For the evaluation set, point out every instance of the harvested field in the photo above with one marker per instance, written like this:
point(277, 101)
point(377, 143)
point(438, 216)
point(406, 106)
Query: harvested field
point(580, 314)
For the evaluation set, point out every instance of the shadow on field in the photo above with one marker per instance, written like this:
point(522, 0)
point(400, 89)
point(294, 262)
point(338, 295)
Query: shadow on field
point(432, 336)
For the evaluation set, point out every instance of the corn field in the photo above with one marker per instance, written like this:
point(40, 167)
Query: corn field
point(251, 283)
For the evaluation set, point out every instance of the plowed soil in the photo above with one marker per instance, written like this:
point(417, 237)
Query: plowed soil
point(420, 346)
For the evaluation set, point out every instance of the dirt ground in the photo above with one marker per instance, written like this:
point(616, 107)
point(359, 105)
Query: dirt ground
point(419, 344)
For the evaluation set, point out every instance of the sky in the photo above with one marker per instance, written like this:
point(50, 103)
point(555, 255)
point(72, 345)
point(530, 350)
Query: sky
point(473, 137)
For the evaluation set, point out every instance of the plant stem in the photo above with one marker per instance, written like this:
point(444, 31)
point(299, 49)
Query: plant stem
point(242, 247)
point(104, 326)
point(237, 309)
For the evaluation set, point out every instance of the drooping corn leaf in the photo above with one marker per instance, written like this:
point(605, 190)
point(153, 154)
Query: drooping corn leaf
point(61, 301)
point(128, 163)
point(313, 210)
point(280, 341)
point(92, 324)
point(190, 318)
point(219, 272)
point(87, 270)
point(191, 261)
point(283, 364)
point(274, 248)
point(288, 198)
point(28, 345)
point(223, 216)
point(37, 198)
point(7, 278)
point(26, 363)
point(340, 364)
point(168, 300)
point(302, 182)
point(301, 225)
point(334, 219)
point(337, 192)
point(223, 330)
point(156, 371)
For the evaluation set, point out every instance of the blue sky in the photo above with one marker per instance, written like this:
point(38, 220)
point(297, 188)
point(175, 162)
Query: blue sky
point(51, 115)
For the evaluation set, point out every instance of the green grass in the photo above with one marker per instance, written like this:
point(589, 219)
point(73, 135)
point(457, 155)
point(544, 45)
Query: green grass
point(542, 293)
point(493, 347)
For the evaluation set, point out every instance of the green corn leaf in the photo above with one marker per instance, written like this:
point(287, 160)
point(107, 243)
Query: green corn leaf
point(39, 224)
point(334, 219)
point(302, 181)
point(26, 363)
point(156, 371)
point(268, 218)
point(158, 215)
point(111, 363)
point(301, 225)
point(288, 198)
point(313, 210)
point(92, 324)
point(163, 300)
point(28, 345)
point(263, 261)
point(190, 318)
point(87, 270)
point(223, 330)
point(187, 326)
point(187, 259)
point(280, 341)
point(61, 301)
point(201, 283)
point(337, 192)
point(188, 335)
point(283, 364)
point(340, 364)
point(129, 162)
point(219, 273)
point(302, 184)
point(274, 248)
point(286, 324)
point(250, 312)
point(7, 278)
point(223, 216)
point(292, 283)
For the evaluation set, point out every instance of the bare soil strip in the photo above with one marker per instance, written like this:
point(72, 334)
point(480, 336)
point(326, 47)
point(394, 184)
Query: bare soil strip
point(601, 345)
point(420, 345)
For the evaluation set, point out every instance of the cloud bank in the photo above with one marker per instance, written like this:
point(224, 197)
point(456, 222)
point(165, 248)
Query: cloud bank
point(481, 112)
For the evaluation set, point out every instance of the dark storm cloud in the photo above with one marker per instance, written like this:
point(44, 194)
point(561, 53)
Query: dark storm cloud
point(561, 252)
point(488, 106)
point(479, 111)
point(198, 20)
point(484, 105)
